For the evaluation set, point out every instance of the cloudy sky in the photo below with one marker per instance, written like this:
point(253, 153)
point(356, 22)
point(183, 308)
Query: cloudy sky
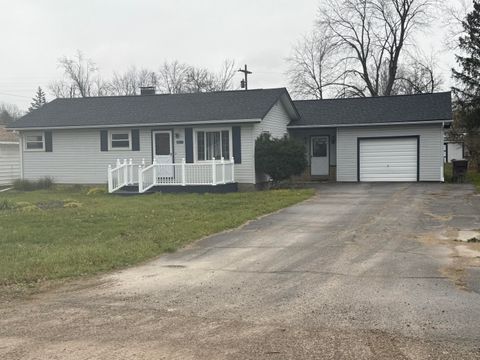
point(117, 34)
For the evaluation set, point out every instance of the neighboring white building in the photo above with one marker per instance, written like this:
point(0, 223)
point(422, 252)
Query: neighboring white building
point(397, 138)
point(453, 151)
point(9, 157)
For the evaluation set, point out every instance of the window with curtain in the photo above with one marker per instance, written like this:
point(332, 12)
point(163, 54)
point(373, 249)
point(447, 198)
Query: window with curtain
point(213, 144)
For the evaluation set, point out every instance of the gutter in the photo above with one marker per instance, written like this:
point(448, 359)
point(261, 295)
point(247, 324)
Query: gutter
point(106, 126)
point(369, 124)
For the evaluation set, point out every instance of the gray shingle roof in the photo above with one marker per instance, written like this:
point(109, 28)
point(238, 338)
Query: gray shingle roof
point(384, 109)
point(153, 109)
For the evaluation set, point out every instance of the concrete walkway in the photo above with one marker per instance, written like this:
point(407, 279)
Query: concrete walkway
point(360, 271)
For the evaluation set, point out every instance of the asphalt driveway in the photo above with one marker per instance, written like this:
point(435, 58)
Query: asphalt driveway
point(359, 271)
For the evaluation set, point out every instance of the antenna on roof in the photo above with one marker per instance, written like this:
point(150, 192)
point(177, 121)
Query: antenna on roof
point(244, 82)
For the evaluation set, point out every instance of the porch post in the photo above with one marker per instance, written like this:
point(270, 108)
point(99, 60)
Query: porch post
point(223, 170)
point(233, 168)
point(214, 172)
point(183, 172)
point(125, 172)
point(130, 172)
point(140, 179)
point(110, 180)
point(154, 171)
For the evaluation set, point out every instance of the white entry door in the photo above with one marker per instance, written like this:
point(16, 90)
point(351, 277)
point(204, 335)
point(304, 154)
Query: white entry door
point(163, 152)
point(319, 155)
point(394, 159)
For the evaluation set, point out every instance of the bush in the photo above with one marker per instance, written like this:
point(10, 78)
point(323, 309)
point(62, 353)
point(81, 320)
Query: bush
point(29, 185)
point(6, 204)
point(279, 158)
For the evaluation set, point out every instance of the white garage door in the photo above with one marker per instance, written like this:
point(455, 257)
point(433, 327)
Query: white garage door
point(392, 159)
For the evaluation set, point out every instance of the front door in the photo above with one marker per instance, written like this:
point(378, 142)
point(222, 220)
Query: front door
point(163, 152)
point(319, 156)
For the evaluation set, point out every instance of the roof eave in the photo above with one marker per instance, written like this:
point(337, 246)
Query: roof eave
point(103, 126)
point(371, 124)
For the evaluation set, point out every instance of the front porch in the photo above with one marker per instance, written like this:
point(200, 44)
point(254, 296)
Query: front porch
point(208, 176)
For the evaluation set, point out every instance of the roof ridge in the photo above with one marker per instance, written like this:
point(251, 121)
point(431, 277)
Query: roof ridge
point(169, 94)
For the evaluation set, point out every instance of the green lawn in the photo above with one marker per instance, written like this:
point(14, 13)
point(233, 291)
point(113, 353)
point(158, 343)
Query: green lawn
point(54, 234)
point(472, 176)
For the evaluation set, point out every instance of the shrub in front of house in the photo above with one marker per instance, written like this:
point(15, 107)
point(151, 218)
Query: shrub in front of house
point(29, 185)
point(279, 158)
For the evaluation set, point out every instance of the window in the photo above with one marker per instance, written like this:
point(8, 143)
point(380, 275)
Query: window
point(35, 142)
point(213, 144)
point(319, 147)
point(120, 140)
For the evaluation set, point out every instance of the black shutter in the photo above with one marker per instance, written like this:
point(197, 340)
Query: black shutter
point(237, 144)
point(135, 140)
point(103, 140)
point(189, 145)
point(48, 141)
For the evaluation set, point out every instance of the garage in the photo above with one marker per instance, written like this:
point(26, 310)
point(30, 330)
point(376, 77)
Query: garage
point(388, 159)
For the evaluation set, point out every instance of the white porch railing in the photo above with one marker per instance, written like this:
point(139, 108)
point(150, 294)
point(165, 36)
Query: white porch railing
point(121, 175)
point(212, 173)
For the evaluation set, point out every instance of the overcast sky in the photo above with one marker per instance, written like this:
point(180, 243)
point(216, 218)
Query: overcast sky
point(117, 34)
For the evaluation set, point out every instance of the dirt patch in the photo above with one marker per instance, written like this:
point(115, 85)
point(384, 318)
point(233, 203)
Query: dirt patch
point(442, 218)
point(461, 257)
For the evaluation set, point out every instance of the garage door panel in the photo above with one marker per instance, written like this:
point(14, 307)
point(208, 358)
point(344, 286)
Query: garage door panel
point(388, 159)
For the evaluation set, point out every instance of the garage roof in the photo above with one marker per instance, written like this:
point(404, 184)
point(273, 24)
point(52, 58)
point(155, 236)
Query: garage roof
point(162, 109)
point(374, 110)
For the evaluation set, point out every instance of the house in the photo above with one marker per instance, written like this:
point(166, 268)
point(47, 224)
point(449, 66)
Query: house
point(206, 139)
point(9, 157)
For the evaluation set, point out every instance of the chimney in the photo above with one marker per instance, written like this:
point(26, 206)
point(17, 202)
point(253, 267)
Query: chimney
point(147, 90)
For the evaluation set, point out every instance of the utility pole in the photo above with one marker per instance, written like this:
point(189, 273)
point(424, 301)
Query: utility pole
point(244, 82)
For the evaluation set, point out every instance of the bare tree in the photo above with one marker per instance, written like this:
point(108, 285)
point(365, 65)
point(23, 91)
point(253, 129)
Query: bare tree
point(81, 78)
point(314, 66)
point(130, 82)
point(175, 78)
point(223, 79)
point(418, 76)
point(198, 80)
point(172, 77)
point(454, 13)
point(373, 34)
point(9, 113)
point(62, 89)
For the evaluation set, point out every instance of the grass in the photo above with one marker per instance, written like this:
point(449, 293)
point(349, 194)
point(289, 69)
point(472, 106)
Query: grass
point(473, 176)
point(62, 233)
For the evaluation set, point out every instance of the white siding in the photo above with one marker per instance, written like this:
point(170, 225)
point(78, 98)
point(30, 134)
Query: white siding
point(76, 157)
point(245, 172)
point(275, 122)
point(178, 144)
point(431, 148)
point(9, 163)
